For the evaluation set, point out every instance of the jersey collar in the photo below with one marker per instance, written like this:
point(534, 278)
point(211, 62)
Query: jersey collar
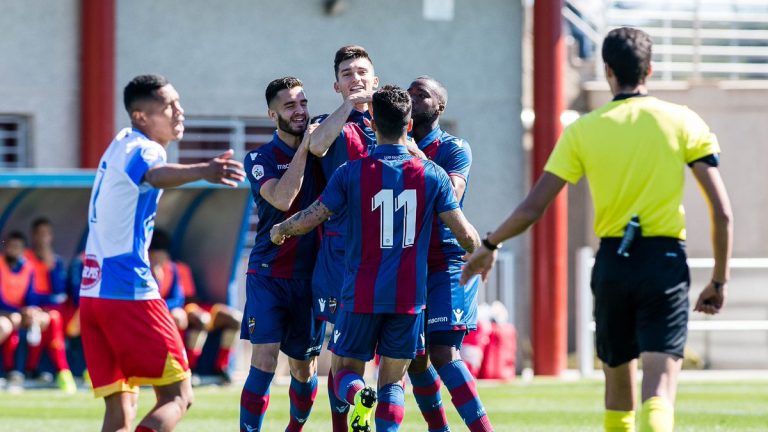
point(282, 145)
point(624, 96)
point(390, 149)
point(358, 116)
point(430, 138)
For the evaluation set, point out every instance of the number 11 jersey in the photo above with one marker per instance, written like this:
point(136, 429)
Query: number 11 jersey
point(391, 199)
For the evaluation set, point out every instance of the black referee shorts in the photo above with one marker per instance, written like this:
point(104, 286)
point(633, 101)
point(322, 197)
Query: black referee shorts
point(641, 301)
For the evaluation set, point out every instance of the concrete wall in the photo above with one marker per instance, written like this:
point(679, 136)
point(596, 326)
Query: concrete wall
point(39, 76)
point(221, 55)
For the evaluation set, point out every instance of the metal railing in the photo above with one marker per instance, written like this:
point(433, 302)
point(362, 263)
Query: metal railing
point(694, 40)
point(585, 325)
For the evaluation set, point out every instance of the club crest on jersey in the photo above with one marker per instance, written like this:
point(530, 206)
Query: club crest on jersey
point(91, 272)
point(251, 325)
point(257, 171)
point(458, 313)
point(332, 302)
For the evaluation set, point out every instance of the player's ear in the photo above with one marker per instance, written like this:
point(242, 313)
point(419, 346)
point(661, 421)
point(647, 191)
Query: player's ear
point(370, 123)
point(272, 115)
point(336, 86)
point(375, 82)
point(440, 109)
point(410, 125)
point(138, 118)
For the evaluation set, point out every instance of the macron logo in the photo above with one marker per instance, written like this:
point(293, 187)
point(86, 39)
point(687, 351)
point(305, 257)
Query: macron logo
point(321, 302)
point(458, 313)
point(250, 428)
point(336, 335)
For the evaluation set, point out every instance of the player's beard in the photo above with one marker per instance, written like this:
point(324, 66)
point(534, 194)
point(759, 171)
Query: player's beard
point(285, 126)
point(424, 117)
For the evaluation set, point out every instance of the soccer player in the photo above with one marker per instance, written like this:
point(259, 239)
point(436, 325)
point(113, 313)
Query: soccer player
point(391, 198)
point(278, 315)
point(340, 137)
point(451, 307)
point(633, 151)
point(129, 338)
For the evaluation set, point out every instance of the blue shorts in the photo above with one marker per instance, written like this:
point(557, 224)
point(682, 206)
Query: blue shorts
point(328, 278)
point(280, 310)
point(391, 335)
point(451, 306)
point(451, 338)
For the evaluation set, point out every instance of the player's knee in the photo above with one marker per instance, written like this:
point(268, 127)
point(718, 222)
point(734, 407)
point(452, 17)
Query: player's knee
point(6, 328)
point(303, 371)
point(442, 355)
point(418, 365)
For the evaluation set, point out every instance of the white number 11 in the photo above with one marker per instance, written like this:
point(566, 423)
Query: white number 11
point(407, 201)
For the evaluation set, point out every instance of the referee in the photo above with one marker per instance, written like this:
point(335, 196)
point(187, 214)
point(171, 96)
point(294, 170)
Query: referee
point(633, 151)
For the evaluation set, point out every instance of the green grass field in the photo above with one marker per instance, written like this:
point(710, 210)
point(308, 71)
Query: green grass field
point(542, 405)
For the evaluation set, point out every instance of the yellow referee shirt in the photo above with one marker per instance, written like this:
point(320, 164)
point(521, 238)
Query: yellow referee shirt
point(634, 153)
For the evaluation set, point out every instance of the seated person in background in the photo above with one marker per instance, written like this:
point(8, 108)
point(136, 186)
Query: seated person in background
point(50, 271)
point(20, 305)
point(197, 319)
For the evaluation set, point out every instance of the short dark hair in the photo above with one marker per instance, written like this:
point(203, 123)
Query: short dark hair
point(160, 241)
point(37, 223)
point(141, 89)
point(348, 52)
point(627, 51)
point(284, 83)
point(391, 110)
point(442, 93)
point(16, 235)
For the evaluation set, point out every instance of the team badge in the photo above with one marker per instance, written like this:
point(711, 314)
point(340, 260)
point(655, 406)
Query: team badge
point(332, 305)
point(458, 313)
point(91, 272)
point(257, 171)
point(251, 325)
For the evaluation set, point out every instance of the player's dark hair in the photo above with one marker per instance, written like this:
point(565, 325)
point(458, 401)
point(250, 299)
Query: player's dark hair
point(348, 52)
point(141, 89)
point(41, 221)
point(391, 111)
point(16, 235)
point(160, 241)
point(284, 83)
point(627, 51)
point(442, 93)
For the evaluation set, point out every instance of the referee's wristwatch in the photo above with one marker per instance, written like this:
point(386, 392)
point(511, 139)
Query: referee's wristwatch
point(488, 245)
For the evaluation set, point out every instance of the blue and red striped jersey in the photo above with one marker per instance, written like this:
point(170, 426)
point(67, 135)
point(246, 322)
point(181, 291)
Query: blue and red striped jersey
point(391, 199)
point(294, 259)
point(355, 141)
point(454, 156)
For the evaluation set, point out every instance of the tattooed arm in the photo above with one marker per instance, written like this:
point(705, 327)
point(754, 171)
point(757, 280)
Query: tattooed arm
point(300, 223)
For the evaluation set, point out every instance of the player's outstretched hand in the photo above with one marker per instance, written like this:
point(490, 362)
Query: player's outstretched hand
point(276, 236)
point(223, 170)
point(711, 299)
point(478, 262)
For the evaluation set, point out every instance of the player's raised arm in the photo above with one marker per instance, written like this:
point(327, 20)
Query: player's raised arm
point(281, 193)
point(465, 233)
point(712, 298)
point(327, 131)
point(300, 223)
point(219, 170)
